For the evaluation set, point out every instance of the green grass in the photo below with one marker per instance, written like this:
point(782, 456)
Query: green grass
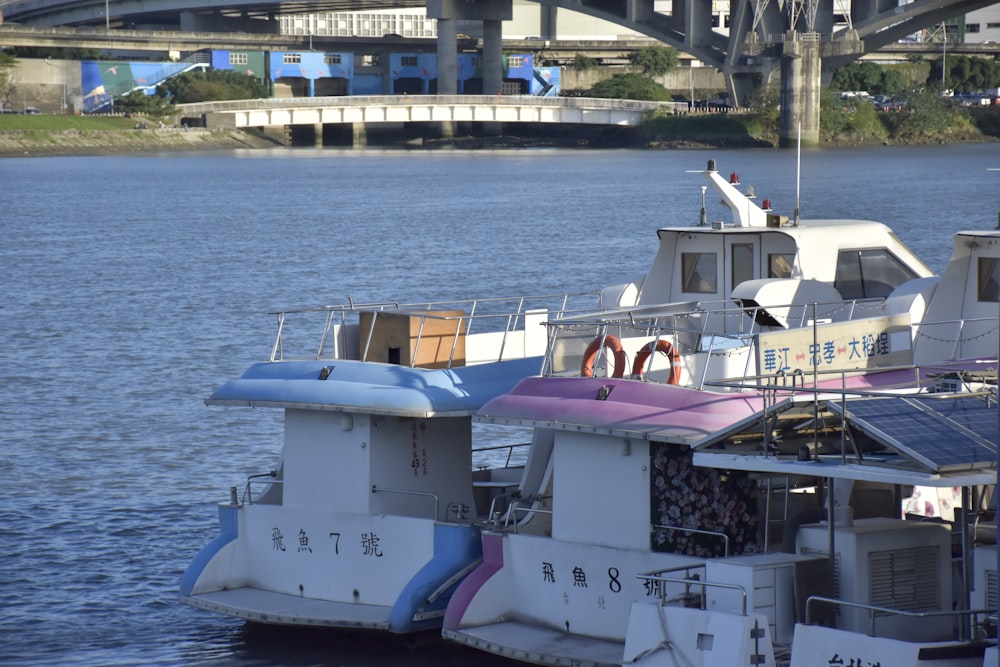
point(55, 123)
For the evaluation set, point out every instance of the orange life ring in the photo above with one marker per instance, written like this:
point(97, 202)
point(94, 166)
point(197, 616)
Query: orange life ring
point(661, 345)
point(613, 344)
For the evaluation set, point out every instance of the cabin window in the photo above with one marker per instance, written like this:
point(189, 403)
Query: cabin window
point(515, 61)
point(742, 263)
point(870, 273)
point(700, 271)
point(291, 58)
point(989, 279)
point(408, 61)
point(331, 59)
point(238, 59)
point(779, 265)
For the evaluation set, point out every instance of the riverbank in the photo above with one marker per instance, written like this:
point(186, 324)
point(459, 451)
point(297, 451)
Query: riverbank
point(38, 143)
point(38, 136)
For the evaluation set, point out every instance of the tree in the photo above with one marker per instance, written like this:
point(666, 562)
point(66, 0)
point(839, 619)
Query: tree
point(583, 62)
point(654, 60)
point(630, 86)
point(211, 86)
point(138, 102)
point(7, 65)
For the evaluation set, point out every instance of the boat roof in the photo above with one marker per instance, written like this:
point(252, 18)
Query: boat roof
point(373, 388)
point(902, 435)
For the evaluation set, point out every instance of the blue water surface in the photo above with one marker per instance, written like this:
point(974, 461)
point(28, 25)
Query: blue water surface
point(133, 286)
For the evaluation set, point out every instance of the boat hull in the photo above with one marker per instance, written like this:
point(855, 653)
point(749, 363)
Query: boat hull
point(338, 570)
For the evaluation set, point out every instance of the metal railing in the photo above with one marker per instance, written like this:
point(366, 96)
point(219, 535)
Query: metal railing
point(258, 479)
point(875, 611)
point(407, 492)
point(502, 315)
point(693, 327)
point(657, 579)
point(710, 533)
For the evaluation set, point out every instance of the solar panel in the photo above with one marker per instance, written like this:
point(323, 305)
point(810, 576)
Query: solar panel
point(940, 433)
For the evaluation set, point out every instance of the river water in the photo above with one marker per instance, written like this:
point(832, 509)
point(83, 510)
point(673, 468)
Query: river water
point(132, 286)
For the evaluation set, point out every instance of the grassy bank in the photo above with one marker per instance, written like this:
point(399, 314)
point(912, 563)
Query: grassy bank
point(38, 135)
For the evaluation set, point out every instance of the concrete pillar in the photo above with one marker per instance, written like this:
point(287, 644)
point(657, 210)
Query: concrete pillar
point(447, 12)
point(492, 57)
point(318, 135)
point(447, 56)
point(800, 91)
point(359, 135)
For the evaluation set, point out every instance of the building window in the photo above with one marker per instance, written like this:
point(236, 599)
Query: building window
point(408, 61)
point(370, 60)
point(991, 26)
point(331, 58)
point(971, 27)
point(237, 59)
point(291, 58)
point(515, 61)
point(699, 272)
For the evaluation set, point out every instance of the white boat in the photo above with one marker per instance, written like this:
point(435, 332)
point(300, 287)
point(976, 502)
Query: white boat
point(364, 521)
point(671, 516)
point(372, 513)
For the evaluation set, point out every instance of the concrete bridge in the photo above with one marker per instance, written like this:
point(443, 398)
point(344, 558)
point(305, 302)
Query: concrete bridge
point(445, 110)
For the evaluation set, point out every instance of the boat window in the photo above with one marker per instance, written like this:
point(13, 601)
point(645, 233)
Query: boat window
point(779, 265)
point(869, 273)
point(700, 272)
point(742, 263)
point(989, 279)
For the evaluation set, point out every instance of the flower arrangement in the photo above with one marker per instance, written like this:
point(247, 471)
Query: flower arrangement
point(686, 496)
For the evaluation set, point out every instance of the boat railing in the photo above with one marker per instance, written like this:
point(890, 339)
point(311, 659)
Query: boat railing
point(707, 327)
point(497, 448)
point(656, 581)
point(956, 334)
point(347, 331)
point(408, 492)
point(258, 480)
point(967, 617)
point(711, 533)
point(515, 507)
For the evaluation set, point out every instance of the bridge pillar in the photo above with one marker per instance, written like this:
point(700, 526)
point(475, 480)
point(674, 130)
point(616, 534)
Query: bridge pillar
point(492, 57)
point(447, 57)
point(359, 135)
point(800, 91)
point(447, 12)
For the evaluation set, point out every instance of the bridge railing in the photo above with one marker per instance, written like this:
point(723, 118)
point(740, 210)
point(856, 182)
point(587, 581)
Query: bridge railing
point(410, 100)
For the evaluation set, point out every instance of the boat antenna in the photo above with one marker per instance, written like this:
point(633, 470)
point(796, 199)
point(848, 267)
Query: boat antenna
point(798, 176)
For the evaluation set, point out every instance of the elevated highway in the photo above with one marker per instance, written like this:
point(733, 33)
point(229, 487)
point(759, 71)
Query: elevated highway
point(795, 41)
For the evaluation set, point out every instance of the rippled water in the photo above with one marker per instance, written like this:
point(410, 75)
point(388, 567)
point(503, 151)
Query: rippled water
point(132, 286)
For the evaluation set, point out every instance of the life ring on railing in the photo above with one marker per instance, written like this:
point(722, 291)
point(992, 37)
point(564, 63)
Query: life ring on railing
point(613, 344)
point(660, 345)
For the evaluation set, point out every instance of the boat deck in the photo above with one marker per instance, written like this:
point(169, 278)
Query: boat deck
point(539, 645)
point(262, 606)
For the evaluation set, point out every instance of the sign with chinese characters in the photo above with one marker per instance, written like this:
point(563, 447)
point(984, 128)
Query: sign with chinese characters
point(867, 343)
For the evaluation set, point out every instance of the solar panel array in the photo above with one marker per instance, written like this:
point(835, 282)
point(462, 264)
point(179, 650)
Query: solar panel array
point(940, 433)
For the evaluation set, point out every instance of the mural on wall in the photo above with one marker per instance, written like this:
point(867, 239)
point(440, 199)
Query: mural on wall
point(302, 69)
point(250, 63)
point(412, 72)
